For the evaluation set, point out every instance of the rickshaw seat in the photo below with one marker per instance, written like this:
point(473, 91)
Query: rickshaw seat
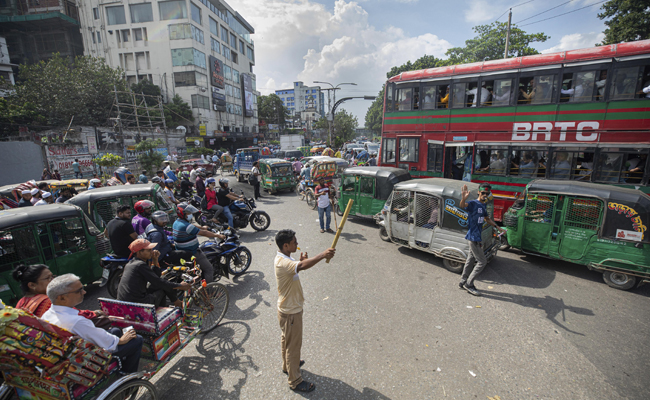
point(146, 319)
point(112, 258)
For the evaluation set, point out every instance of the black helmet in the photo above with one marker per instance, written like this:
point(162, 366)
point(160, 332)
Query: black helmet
point(223, 181)
point(160, 218)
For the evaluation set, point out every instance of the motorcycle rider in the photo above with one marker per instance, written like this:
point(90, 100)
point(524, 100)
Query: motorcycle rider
point(200, 182)
point(141, 221)
point(185, 237)
point(186, 185)
point(157, 234)
point(122, 174)
point(94, 184)
point(169, 190)
point(226, 196)
point(211, 198)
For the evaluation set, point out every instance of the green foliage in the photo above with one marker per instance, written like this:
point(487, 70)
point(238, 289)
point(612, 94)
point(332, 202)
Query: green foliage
point(151, 92)
point(374, 115)
point(150, 159)
point(628, 20)
point(201, 151)
point(178, 112)
point(108, 160)
point(52, 92)
point(271, 110)
point(344, 126)
point(491, 43)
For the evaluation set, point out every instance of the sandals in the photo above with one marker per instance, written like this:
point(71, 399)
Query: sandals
point(302, 362)
point(329, 230)
point(322, 231)
point(304, 386)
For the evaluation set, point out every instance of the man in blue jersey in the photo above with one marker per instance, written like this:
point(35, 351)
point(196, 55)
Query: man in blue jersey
point(478, 214)
point(185, 237)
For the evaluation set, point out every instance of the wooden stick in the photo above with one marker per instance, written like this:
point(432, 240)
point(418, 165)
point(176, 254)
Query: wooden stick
point(340, 227)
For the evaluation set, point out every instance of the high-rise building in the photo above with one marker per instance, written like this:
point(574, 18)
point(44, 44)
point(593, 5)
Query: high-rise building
point(303, 98)
point(36, 29)
point(200, 50)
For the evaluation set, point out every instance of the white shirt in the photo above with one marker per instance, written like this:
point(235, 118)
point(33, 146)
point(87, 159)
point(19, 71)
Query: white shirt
point(170, 194)
point(169, 158)
point(215, 158)
point(484, 95)
point(193, 175)
point(41, 202)
point(646, 90)
point(324, 200)
point(69, 318)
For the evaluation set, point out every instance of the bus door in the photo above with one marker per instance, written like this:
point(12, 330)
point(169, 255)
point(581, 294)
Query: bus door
point(581, 221)
point(540, 225)
point(456, 157)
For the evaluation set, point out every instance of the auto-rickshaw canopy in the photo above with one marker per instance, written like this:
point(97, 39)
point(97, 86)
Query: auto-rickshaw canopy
point(386, 178)
point(625, 209)
point(27, 215)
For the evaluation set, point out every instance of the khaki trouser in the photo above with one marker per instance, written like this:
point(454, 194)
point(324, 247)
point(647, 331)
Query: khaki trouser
point(291, 325)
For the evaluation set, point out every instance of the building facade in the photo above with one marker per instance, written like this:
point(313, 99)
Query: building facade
point(303, 98)
point(200, 50)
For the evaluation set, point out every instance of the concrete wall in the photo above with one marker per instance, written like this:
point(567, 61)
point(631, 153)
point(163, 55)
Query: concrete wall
point(20, 162)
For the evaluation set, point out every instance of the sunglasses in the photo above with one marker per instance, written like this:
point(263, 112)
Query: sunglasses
point(485, 193)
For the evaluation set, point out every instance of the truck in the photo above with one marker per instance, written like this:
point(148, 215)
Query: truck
point(243, 162)
point(291, 142)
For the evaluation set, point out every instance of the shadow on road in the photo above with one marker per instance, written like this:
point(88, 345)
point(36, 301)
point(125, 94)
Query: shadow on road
point(247, 286)
point(329, 388)
point(221, 370)
point(249, 236)
point(351, 237)
point(554, 307)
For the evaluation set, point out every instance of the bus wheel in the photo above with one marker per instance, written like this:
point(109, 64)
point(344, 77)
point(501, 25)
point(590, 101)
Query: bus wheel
point(453, 266)
point(619, 280)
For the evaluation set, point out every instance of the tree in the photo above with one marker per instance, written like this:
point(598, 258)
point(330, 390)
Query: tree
point(423, 62)
point(271, 110)
point(108, 160)
point(57, 90)
point(344, 126)
point(178, 112)
point(150, 91)
point(491, 43)
point(149, 158)
point(201, 151)
point(629, 20)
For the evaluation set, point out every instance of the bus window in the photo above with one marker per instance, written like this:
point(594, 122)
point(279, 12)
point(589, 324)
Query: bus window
point(434, 158)
point(500, 92)
point(634, 167)
point(537, 89)
point(491, 161)
point(389, 97)
point(416, 98)
point(572, 164)
point(624, 84)
point(608, 167)
point(388, 151)
point(580, 86)
point(443, 96)
point(644, 90)
point(403, 98)
point(429, 101)
point(561, 167)
point(524, 162)
point(463, 94)
point(408, 149)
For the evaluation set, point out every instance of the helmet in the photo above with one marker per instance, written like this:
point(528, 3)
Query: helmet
point(156, 179)
point(160, 218)
point(184, 209)
point(169, 182)
point(210, 180)
point(293, 158)
point(223, 181)
point(185, 175)
point(142, 205)
point(121, 174)
point(95, 183)
point(201, 172)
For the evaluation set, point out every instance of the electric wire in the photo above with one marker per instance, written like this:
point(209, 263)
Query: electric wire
point(568, 12)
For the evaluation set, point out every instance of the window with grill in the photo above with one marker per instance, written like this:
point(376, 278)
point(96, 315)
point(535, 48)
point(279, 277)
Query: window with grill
point(199, 101)
point(434, 158)
point(348, 183)
point(631, 83)
point(403, 99)
point(68, 236)
point(491, 161)
point(427, 211)
point(584, 213)
point(366, 185)
point(17, 246)
point(539, 89)
point(528, 162)
point(400, 205)
point(539, 208)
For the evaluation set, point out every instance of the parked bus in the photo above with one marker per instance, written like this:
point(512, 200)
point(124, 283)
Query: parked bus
point(581, 115)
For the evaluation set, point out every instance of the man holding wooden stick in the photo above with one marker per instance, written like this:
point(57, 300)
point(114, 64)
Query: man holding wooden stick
point(290, 304)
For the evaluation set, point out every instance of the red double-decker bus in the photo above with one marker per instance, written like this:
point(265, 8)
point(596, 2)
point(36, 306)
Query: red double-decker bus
point(575, 115)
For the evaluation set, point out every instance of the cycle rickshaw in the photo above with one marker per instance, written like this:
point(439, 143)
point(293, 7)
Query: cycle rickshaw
point(42, 361)
point(226, 164)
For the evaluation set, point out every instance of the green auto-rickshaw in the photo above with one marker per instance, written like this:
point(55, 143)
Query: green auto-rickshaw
point(600, 226)
point(101, 204)
point(369, 187)
point(58, 235)
point(277, 175)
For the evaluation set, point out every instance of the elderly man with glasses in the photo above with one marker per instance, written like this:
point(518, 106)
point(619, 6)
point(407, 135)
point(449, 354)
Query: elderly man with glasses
point(66, 292)
point(477, 215)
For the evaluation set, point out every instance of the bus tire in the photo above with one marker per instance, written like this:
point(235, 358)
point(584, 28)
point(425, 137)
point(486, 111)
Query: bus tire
point(619, 280)
point(453, 266)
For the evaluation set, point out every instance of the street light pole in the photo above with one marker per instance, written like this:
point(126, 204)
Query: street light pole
point(330, 124)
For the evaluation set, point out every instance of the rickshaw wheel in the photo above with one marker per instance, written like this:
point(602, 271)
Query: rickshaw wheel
point(137, 389)
point(311, 200)
point(337, 210)
point(212, 303)
point(383, 234)
point(619, 280)
point(453, 266)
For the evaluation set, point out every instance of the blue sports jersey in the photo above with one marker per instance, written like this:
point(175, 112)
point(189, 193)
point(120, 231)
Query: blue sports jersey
point(477, 213)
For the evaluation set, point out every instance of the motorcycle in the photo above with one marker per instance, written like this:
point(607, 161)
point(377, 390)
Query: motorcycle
point(112, 274)
point(242, 213)
point(227, 257)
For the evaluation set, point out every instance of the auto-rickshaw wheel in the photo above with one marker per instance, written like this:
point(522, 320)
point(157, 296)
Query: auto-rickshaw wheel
point(619, 280)
point(383, 234)
point(337, 210)
point(135, 389)
point(503, 243)
point(453, 266)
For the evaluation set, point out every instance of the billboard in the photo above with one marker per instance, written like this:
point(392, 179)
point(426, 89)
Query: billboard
point(247, 83)
point(218, 99)
point(216, 73)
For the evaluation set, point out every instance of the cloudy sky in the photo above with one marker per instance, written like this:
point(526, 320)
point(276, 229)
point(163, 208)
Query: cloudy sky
point(359, 41)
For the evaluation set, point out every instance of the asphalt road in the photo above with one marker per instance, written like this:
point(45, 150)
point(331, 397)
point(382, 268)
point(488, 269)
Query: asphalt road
point(384, 322)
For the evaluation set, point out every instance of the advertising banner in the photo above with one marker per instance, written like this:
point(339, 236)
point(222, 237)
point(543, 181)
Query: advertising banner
point(218, 99)
point(92, 144)
point(216, 73)
point(62, 157)
point(247, 83)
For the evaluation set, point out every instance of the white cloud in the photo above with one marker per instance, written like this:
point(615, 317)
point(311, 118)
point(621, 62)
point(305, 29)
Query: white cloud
point(482, 11)
point(300, 40)
point(576, 41)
